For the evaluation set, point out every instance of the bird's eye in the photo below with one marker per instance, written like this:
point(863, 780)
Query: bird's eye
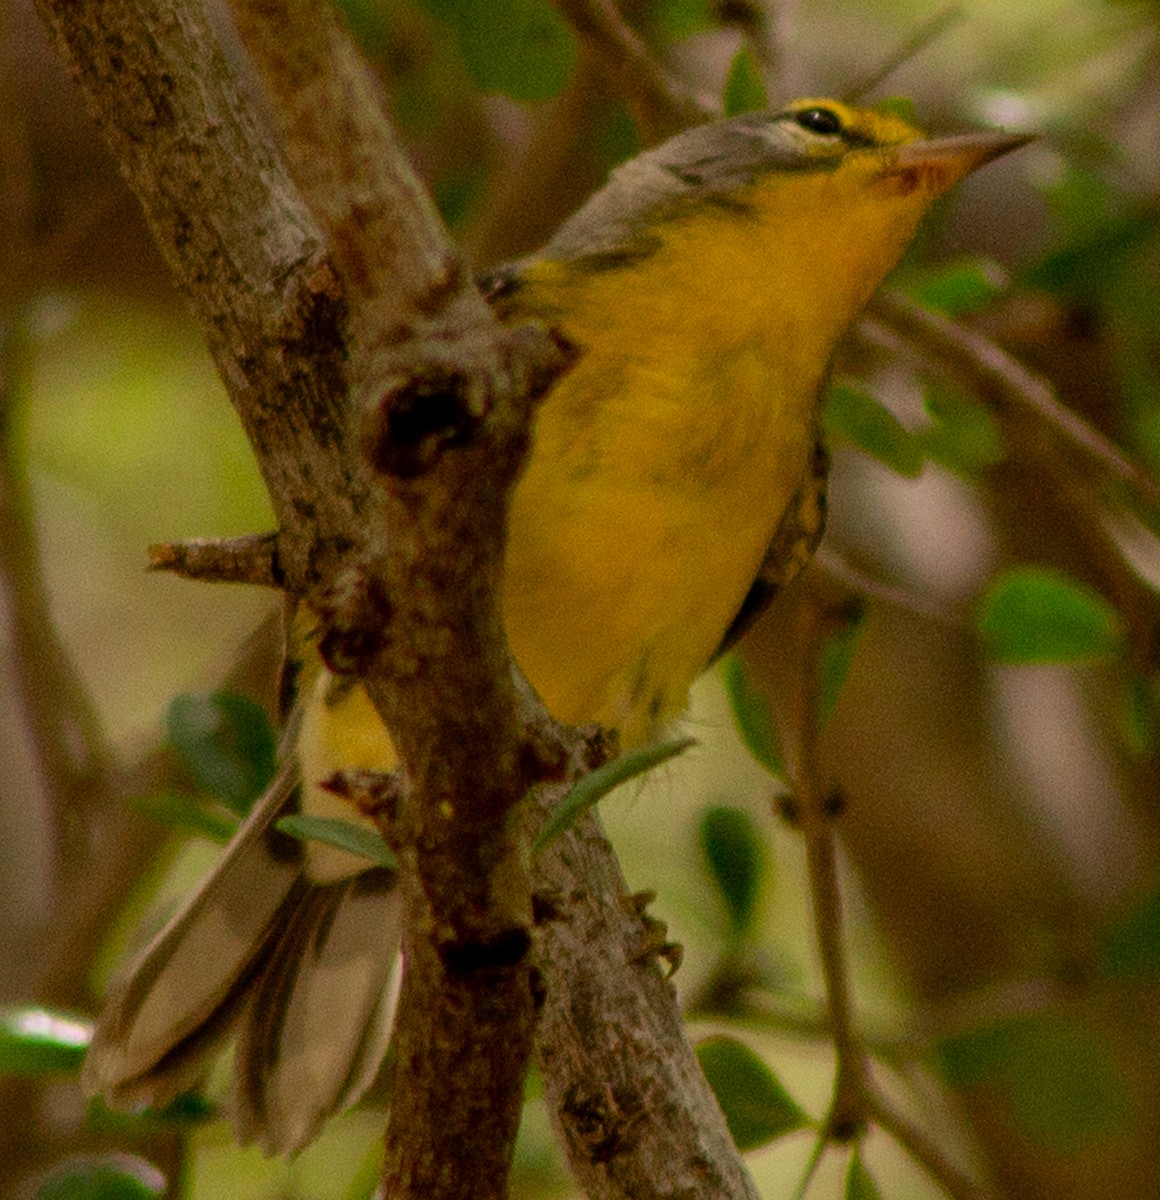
point(819, 120)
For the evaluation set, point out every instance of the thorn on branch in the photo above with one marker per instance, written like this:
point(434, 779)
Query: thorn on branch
point(249, 559)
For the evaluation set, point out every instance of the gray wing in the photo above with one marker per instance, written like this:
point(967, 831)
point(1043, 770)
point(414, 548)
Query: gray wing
point(797, 537)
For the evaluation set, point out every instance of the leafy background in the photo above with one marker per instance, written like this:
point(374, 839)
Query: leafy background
point(994, 706)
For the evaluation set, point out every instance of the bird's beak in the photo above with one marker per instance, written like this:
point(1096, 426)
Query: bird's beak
point(938, 163)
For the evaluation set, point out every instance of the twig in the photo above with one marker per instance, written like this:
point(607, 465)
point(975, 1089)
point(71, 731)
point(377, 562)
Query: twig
point(924, 1152)
point(402, 275)
point(922, 37)
point(812, 1163)
point(1006, 381)
point(249, 559)
point(850, 575)
point(623, 1086)
point(855, 1100)
point(660, 105)
point(69, 744)
point(814, 810)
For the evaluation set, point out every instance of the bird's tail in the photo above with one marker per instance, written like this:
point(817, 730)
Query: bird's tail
point(305, 975)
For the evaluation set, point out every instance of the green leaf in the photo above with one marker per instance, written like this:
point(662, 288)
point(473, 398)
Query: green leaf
point(676, 19)
point(364, 1185)
point(898, 106)
point(343, 834)
point(835, 660)
point(1058, 1079)
point(860, 1183)
point(1131, 947)
point(228, 744)
point(108, 1177)
point(873, 428)
point(961, 287)
point(732, 849)
point(455, 195)
point(1095, 261)
point(522, 48)
point(597, 784)
point(757, 1108)
point(962, 436)
point(744, 88)
point(1040, 615)
point(1140, 715)
point(181, 812)
point(752, 717)
point(41, 1041)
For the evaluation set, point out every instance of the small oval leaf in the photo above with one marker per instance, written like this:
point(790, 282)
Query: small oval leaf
point(744, 88)
point(873, 428)
point(860, 1183)
point(752, 716)
point(962, 435)
point(961, 287)
point(180, 812)
point(1040, 615)
point(594, 786)
point(228, 744)
point(343, 834)
point(732, 849)
point(40, 1041)
point(107, 1177)
point(1131, 947)
point(757, 1108)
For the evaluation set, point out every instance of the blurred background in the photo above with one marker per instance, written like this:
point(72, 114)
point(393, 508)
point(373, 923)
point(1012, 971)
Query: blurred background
point(994, 726)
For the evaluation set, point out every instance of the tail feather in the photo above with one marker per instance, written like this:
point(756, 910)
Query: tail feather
point(319, 1015)
point(298, 970)
point(188, 975)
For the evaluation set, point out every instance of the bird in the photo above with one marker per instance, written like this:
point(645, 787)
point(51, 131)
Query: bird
point(675, 483)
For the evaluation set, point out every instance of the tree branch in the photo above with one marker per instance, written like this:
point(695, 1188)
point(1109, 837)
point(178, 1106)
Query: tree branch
point(402, 565)
point(659, 104)
point(624, 1088)
point(814, 807)
point(995, 374)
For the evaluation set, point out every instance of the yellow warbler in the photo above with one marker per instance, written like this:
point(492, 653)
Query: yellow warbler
point(675, 481)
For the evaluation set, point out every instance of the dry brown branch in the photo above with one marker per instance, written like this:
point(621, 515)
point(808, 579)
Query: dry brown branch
point(635, 1113)
point(659, 104)
point(929, 31)
point(393, 564)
